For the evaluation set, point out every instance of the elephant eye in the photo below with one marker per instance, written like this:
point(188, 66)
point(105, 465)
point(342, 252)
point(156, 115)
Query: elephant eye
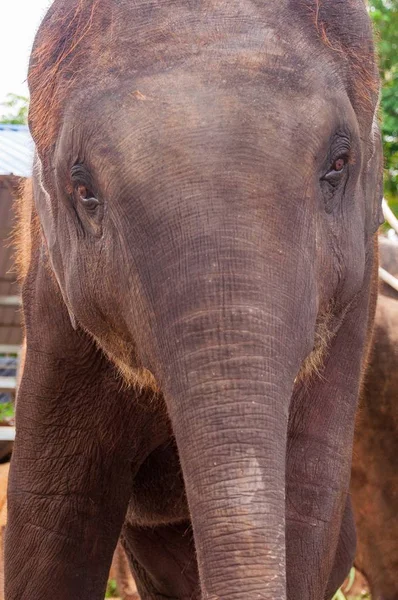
point(339, 164)
point(83, 192)
point(86, 197)
point(81, 188)
point(336, 170)
point(88, 208)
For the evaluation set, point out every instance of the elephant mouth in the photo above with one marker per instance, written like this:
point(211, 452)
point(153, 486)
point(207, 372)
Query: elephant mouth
point(324, 333)
point(122, 355)
point(140, 378)
point(143, 379)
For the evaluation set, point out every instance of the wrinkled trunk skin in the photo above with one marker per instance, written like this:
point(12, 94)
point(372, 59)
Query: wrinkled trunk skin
point(232, 445)
point(230, 357)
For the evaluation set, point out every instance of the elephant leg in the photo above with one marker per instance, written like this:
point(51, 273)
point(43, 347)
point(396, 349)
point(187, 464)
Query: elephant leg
point(321, 428)
point(69, 484)
point(163, 561)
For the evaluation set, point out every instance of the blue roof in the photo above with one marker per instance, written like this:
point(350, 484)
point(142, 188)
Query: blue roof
point(16, 150)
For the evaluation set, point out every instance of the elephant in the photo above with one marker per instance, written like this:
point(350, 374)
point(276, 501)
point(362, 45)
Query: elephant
point(374, 470)
point(198, 258)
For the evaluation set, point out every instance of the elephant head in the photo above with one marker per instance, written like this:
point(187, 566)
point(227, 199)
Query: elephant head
point(208, 187)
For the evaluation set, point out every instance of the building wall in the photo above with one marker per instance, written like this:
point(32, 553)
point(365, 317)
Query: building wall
point(10, 317)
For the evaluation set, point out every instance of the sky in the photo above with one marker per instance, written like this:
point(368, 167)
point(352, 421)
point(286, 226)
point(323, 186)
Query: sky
point(19, 22)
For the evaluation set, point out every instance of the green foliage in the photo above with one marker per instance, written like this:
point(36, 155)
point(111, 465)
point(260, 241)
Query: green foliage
point(384, 14)
point(6, 411)
point(111, 589)
point(339, 595)
point(17, 110)
point(344, 592)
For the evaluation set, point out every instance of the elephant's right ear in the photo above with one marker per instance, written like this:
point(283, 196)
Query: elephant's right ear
point(46, 211)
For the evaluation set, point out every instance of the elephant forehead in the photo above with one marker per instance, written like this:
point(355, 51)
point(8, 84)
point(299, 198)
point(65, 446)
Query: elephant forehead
point(186, 113)
point(81, 45)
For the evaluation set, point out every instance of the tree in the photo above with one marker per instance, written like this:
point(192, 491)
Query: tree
point(17, 110)
point(384, 14)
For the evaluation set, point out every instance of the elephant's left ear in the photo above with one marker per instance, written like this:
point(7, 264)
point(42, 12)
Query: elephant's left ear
point(345, 31)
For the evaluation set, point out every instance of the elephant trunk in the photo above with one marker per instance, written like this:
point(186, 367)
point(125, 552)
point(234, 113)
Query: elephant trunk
point(230, 356)
point(231, 434)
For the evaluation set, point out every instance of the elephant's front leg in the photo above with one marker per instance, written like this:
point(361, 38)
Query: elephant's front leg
point(320, 532)
point(78, 437)
point(69, 482)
